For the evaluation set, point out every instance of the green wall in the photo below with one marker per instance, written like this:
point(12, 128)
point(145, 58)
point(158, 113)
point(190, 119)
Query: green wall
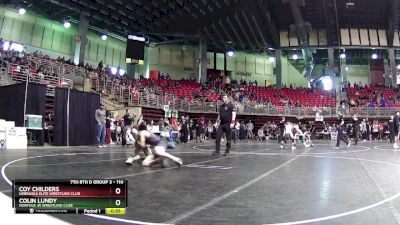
point(50, 37)
point(256, 66)
point(358, 73)
point(173, 59)
point(290, 75)
point(182, 63)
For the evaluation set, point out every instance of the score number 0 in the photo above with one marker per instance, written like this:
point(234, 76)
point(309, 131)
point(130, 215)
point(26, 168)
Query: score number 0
point(117, 191)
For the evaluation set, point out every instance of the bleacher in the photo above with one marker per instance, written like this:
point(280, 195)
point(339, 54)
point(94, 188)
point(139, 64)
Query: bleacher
point(124, 91)
point(364, 95)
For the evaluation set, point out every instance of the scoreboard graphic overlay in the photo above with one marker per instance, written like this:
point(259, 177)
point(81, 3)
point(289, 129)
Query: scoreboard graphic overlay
point(80, 196)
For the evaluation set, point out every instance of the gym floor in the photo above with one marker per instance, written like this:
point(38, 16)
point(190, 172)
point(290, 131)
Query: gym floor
point(257, 183)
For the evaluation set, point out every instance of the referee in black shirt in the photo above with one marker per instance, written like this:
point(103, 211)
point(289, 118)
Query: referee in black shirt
point(340, 135)
point(226, 120)
point(128, 119)
point(396, 129)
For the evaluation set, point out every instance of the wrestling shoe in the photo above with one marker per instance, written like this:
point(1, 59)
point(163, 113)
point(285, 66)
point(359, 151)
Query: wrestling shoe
point(129, 161)
point(226, 152)
point(162, 163)
point(179, 163)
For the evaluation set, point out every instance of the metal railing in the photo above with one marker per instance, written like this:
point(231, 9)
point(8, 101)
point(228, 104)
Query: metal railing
point(123, 94)
point(72, 72)
point(251, 108)
point(374, 112)
point(17, 73)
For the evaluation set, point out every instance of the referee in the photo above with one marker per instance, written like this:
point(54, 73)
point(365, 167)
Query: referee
point(226, 120)
point(396, 121)
point(340, 135)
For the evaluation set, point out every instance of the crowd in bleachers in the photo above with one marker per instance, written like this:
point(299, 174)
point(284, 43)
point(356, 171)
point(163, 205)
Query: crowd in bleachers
point(371, 96)
point(185, 89)
point(358, 95)
point(190, 91)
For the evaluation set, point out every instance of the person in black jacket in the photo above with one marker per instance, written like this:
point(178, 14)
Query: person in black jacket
point(340, 135)
point(184, 130)
point(128, 119)
point(242, 131)
point(369, 129)
point(391, 126)
point(281, 131)
point(396, 129)
point(356, 128)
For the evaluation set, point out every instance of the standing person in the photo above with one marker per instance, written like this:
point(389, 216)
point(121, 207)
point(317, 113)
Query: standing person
point(100, 116)
point(363, 129)
point(226, 120)
point(396, 129)
point(210, 129)
point(250, 128)
point(289, 134)
point(356, 128)
point(126, 131)
point(184, 130)
point(200, 130)
point(281, 131)
point(118, 132)
point(391, 127)
point(242, 131)
point(192, 129)
point(108, 127)
point(128, 119)
point(375, 130)
point(161, 124)
point(368, 128)
point(340, 135)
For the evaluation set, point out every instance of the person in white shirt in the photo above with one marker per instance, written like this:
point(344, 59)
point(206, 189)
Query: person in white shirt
point(375, 130)
point(210, 128)
point(250, 128)
point(288, 133)
point(260, 134)
point(363, 130)
point(100, 116)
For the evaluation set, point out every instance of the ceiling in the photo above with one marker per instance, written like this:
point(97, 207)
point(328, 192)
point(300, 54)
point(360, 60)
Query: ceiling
point(251, 25)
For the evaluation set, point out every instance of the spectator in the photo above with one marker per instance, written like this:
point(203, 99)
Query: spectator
point(243, 81)
point(249, 129)
point(100, 116)
point(210, 129)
